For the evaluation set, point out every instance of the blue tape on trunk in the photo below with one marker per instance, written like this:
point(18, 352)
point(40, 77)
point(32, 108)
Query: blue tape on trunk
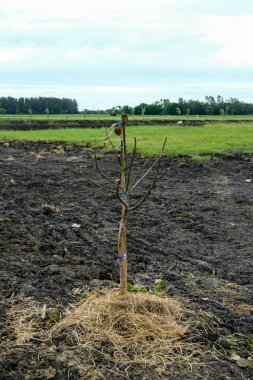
point(120, 123)
point(122, 257)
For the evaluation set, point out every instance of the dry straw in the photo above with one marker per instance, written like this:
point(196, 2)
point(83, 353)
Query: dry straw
point(22, 322)
point(131, 328)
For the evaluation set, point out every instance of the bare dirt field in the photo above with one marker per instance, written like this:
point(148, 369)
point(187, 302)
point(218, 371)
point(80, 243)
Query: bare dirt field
point(58, 240)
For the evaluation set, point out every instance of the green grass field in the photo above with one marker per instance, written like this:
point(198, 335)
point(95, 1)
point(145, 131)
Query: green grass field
point(217, 138)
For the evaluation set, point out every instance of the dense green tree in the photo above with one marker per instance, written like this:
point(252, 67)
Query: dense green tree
point(38, 105)
point(127, 110)
point(210, 110)
point(153, 109)
point(211, 106)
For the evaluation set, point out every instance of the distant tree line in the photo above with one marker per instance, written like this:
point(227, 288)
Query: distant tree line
point(210, 106)
point(40, 105)
point(50, 105)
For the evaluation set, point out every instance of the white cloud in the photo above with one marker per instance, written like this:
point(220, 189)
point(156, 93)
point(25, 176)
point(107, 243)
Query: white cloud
point(219, 85)
point(156, 46)
point(21, 57)
point(93, 97)
point(10, 55)
point(232, 36)
point(88, 10)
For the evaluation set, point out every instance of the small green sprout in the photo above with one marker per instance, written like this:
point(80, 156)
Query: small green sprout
point(249, 342)
point(159, 288)
point(84, 296)
point(232, 340)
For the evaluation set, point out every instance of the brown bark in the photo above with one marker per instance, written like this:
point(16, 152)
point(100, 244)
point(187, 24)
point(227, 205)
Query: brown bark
point(122, 244)
point(122, 251)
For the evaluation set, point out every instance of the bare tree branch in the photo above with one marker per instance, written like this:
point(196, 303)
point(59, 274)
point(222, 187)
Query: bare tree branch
point(151, 167)
point(163, 147)
point(96, 162)
point(96, 183)
point(130, 167)
point(145, 174)
point(139, 172)
point(113, 147)
point(163, 174)
point(144, 197)
point(156, 178)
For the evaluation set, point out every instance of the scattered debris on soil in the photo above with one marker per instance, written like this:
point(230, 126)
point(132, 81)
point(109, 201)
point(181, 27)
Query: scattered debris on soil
point(58, 242)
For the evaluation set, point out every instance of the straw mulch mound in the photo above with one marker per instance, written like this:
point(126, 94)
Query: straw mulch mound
point(134, 328)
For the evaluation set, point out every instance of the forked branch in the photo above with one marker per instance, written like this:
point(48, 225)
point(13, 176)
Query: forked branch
point(123, 194)
point(102, 174)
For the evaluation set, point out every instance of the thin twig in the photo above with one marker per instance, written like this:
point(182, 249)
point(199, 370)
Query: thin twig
point(156, 177)
point(161, 156)
point(130, 167)
point(162, 175)
point(96, 162)
point(139, 171)
point(151, 167)
point(108, 134)
point(144, 175)
point(96, 183)
point(144, 197)
point(148, 191)
point(163, 147)
point(113, 147)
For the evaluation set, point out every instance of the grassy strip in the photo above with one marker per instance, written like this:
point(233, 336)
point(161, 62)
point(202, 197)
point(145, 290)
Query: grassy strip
point(73, 136)
point(181, 140)
point(97, 117)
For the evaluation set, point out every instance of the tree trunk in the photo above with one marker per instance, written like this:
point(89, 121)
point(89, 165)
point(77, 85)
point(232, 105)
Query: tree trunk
point(122, 251)
point(122, 244)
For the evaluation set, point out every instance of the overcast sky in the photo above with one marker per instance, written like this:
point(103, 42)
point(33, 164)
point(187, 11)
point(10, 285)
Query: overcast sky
point(106, 53)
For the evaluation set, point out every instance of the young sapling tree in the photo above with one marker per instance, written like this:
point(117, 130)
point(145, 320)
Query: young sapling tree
point(47, 112)
point(30, 112)
point(124, 185)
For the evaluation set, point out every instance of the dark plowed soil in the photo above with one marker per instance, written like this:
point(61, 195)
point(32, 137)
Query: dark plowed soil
point(58, 235)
